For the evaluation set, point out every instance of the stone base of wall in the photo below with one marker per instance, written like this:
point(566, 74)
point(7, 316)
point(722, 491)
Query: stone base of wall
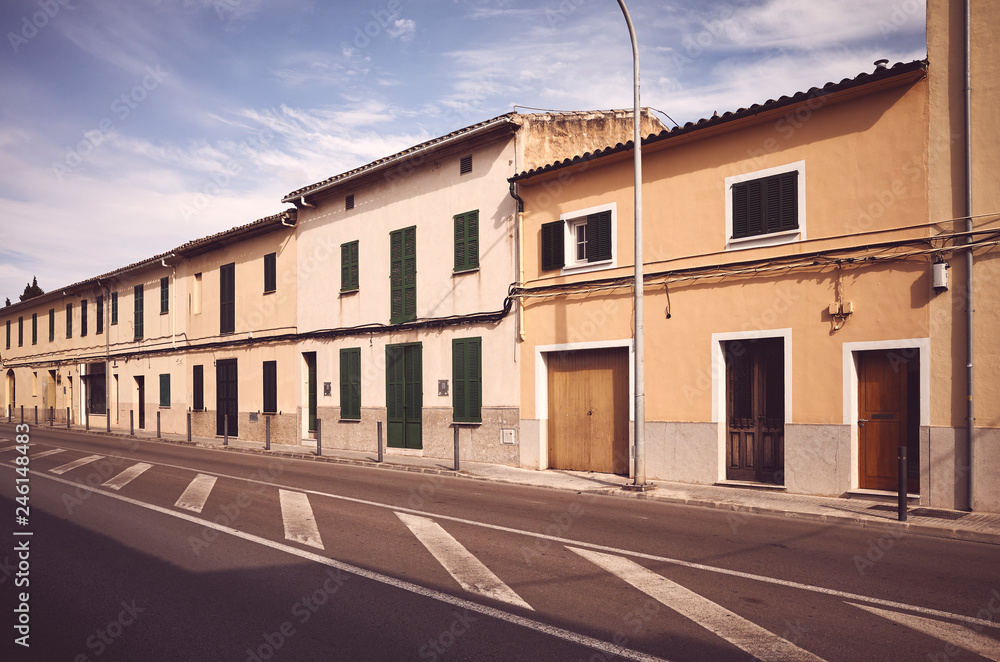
point(480, 442)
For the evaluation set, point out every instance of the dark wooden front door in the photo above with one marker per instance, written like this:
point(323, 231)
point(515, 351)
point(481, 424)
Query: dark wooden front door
point(226, 398)
point(888, 389)
point(755, 410)
point(404, 395)
point(589, 410)
point(310, 359)
point(140, 384)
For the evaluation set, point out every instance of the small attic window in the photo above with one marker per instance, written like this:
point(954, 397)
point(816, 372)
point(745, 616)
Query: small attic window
point(465, 167)
point(349, 202)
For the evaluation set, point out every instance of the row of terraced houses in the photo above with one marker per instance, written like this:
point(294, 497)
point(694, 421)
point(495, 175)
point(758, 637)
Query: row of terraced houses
point(807, 297)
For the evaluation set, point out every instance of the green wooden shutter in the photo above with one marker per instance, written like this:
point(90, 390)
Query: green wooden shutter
point(270, 386)
point(270, 272)
point(396, 276)
point(69, 320)
point(198, 379)
point(350, 383)
point(789, 200)
point(52, 327)
point(34, 328)
point(740, 211)
point(394, 386)
point(413, 395)
point(137, 313)
point(349, 266)
point(409, 274)
point(553, 242)
point(114, 308)
point(599, 236)
point(164, 390)
point(466, 363)
point(227, 298)
point(165, 294)
point(467, 241)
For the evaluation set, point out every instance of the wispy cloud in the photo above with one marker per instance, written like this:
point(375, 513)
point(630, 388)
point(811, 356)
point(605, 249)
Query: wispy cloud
point(402, 29)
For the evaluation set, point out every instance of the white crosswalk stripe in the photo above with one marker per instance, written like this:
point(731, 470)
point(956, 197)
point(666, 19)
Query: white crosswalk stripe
point(297, 515)
point(35, 456)
point(76, 464)
point(763, 644)
point(196, 493)
point(467, 570)
point(127, 476)
point(954, 634)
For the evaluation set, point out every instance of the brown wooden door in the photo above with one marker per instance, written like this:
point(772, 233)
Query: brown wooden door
point(588, 410)
point(755, 410)
point(882, 417)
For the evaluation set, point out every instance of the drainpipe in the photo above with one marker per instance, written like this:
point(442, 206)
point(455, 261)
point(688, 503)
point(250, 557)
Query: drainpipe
point(302, 201)
point(969, 309)
point(519, 253)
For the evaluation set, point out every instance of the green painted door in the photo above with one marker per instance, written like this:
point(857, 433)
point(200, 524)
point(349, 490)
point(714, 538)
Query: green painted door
point(404, 395)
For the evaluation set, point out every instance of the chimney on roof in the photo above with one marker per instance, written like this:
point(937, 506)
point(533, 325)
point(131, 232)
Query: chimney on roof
point(881, 64)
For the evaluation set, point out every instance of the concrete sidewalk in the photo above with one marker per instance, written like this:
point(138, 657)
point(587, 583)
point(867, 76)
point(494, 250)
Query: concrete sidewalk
point(741, 501)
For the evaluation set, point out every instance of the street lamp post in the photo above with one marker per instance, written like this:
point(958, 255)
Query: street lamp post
point(638, 340)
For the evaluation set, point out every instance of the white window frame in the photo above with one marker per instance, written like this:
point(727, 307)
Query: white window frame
point(570, 221)
point(774, 238)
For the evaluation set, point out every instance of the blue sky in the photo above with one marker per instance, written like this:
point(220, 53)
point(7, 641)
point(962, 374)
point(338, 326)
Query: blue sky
point(128, 127)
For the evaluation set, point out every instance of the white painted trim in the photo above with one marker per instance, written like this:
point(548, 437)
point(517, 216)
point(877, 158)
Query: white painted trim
point(569, 240)
point(850, 387)
point(719, 381)
point(776, 238)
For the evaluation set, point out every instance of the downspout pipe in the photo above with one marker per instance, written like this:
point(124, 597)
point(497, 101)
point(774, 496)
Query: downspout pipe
point(519, 252)
point(969, 308)
point(302, 201)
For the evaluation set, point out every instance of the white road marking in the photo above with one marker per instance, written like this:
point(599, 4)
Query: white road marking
point(196, 494)
point(822, 590)
point(297, 514)
point(611, 649)
point(35, 456)
point(127, 476)
point(465, 568)
point(760, 642)
point(952, 633)
point(76, 463)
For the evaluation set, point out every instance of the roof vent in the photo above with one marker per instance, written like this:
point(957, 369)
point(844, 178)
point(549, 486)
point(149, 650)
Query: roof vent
point(881, 64)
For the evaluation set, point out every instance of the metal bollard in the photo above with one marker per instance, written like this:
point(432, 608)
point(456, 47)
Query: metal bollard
point(157, 425)
point(52, 417)
point(225, 429)
point(267, 432)
point(189, 426)
point(86, 421)
point(456, 447)
point(108, 419)
point(379, 425)
point(36, 414)
point(22, 414)
point(131, 422)
point(901, 506)
point(319, 437)
point(67, 418)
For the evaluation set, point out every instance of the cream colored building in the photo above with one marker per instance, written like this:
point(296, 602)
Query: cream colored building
point(795, 333)
point(154, 340)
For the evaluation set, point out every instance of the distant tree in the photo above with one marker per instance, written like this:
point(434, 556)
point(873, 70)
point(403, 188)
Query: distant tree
point(31, 291)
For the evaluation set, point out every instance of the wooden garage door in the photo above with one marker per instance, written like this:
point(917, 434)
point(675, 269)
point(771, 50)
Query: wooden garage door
point(588, 410)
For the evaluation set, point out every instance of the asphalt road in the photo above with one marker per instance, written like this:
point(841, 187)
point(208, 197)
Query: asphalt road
point(154, 551)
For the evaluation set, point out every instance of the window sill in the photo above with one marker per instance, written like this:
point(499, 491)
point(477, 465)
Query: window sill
point(270, 291)
point(164, 312)
point(764, 240)
point(468, 423)
point(584, 267)
point(462, 272)
point(348, 420)
point(349, 292)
